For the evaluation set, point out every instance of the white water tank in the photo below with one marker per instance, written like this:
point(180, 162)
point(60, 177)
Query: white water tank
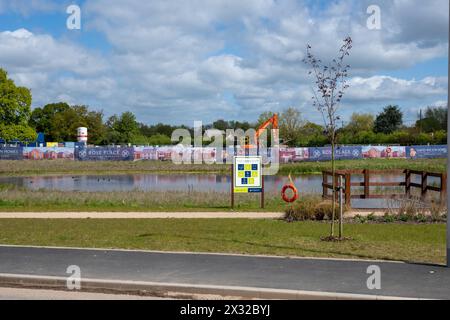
point(82, 134)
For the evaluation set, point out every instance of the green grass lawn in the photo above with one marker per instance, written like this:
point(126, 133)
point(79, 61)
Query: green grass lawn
point(58, 167)
point(405, 242)
point(432, 165)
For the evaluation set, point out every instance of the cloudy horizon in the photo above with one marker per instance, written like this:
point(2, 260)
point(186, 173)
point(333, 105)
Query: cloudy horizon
point(177, 62)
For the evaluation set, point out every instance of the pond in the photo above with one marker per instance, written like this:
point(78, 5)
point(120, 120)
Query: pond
point(185, 182)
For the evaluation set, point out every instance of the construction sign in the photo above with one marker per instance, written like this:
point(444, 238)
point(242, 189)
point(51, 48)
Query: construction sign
point(247, 175)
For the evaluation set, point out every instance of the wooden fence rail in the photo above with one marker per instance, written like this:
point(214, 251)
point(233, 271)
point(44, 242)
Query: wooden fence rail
point(407, 184)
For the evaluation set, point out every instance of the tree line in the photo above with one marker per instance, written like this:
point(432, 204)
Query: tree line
point(59, 121)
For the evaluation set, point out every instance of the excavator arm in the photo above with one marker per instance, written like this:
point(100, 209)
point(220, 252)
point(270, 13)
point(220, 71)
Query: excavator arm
point(272, 121)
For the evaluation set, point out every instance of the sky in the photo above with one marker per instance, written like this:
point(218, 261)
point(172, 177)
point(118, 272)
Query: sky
point(178, 62)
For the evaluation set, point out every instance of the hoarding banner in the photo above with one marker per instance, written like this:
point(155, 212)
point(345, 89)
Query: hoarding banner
point(145, 153)
point(46, 153)
point(426, 152)
point(301, 154)
point(384, 152)
point(287, 155)
point(104, 154)
point(11, 153)
point(164, 153)
point(342, 153)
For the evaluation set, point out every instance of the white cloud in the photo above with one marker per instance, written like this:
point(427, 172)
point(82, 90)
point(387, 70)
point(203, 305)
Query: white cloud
point(388, 88)
point(226, 59)
point(22, 51)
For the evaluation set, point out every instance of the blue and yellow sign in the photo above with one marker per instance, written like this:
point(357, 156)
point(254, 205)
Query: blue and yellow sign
point(247, 174)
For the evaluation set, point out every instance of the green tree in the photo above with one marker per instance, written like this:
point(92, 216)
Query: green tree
point(15, 102)
point(221, 125)
point(122, 129)
point(15, 111)
point(360, 122)
point(290, 126)
point(159, 140)
point(59, 122)
point(17, 132)
point(435, 119)
point(389, 120)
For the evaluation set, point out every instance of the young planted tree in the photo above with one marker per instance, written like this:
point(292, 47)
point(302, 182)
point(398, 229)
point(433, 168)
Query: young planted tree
point(330, 84)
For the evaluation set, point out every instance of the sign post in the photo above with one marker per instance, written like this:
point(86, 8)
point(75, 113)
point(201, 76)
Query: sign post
point(247, 176)
point(232, 186)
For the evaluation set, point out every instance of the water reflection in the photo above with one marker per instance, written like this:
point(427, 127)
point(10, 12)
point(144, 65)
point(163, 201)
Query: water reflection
point(155, 182)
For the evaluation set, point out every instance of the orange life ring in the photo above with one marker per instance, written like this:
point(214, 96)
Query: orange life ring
point(294, 190)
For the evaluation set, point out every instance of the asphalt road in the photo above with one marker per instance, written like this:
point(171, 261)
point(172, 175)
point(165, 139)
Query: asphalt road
point(397, 279)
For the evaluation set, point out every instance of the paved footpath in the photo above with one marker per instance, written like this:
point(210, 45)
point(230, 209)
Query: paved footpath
point(141, 215)
point(39, 294)
point(320, 275)
point(159, 215)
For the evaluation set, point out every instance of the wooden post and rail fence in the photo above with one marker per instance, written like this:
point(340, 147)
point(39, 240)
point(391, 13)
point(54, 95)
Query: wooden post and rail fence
point(407, 184)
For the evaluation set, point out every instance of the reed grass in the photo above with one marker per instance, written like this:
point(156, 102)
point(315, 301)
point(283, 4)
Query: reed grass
point(20, 199)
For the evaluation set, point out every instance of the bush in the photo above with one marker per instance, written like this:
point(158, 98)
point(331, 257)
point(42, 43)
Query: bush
point(421, 218)
point(311, 208)
point(388, 218)
point(361, 219)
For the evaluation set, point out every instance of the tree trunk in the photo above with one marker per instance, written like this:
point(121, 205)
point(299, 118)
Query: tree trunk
point(333, 171)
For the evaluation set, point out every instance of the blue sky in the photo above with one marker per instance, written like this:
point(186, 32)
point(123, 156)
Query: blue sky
point(177, 62)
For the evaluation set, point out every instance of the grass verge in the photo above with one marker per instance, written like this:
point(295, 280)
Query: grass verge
point(62, 167)
point(404, 242)
point(14, 199)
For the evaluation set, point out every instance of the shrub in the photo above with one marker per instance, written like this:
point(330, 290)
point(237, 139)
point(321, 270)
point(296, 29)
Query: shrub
point(311, 208)
point(388, 218)
point(421, 218)
point(361, 219)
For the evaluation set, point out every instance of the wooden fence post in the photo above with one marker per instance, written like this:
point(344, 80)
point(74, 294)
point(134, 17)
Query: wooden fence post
point(324, 182)
point(408, 183)
point(348, 189)
point(443, 195)
point(424, 184)
point(366, 184)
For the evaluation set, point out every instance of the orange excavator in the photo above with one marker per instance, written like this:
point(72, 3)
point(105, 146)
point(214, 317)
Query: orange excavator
point(272, 121)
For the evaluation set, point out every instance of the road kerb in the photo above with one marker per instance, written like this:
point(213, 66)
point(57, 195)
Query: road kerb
point(162, 289)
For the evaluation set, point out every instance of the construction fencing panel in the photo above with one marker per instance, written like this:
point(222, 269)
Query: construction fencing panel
point(215, 155)
point(384, 152)
point(104, 154)
point(48, 153)
point(426, 152)
point(145, 153)
point(11, 153)
point(341, 153)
